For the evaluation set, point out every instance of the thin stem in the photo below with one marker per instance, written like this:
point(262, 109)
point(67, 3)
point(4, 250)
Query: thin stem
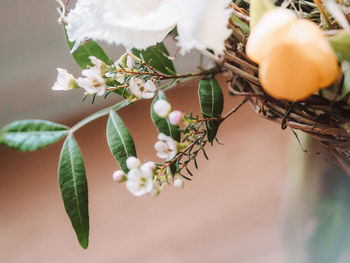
point(163, 77)
point(323, 12)
point(99, 114)
point(118, 87)
point(232, 68)
point(234, 110)
point(190, 146)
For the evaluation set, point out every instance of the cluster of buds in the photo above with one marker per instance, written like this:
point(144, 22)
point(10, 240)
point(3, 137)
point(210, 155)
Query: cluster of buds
point(141, 178)
point(164, 110)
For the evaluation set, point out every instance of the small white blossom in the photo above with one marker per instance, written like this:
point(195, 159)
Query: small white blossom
point(162, 108)
point(166, 147)
point(179, 183)
point(93, 83)
point(124, 62)
point(140, 181)
point(118, 176)
point(150, 165)
point(140, 89)
point(65, 81)
point(200, 23)
point(175, 117)
point(132, 162)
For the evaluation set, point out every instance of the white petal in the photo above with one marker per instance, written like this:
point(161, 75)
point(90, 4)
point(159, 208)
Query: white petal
point(132, 162)
point(128, 22)
point(160, 146)
point(203, 24)
point(134, 174)
point(147, 95)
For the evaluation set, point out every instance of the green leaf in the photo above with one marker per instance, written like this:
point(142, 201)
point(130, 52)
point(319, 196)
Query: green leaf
point(211, 101)
point(31, 135)
point(346, 85)
point(242, 25)
point(84, 51)
point(257, 9)
point(163, 125)
point(119, 140)
point(157, 57)
point(74, 190)
point(341, 45)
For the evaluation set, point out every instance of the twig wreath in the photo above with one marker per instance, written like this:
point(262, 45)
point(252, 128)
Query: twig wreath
point(290, 60)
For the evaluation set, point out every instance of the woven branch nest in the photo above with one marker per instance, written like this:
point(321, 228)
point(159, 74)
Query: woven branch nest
point(326, 120)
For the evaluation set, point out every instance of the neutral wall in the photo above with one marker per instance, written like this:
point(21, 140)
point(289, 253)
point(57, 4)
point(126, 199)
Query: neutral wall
point(230, 212)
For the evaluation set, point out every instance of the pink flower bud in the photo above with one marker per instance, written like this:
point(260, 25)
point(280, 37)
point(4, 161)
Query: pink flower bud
point(175, 117)
point(118, 176)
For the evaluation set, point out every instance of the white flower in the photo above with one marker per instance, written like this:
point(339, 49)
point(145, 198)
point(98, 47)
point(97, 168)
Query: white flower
point(118, 176)
point(201, 23)
point(179, 183)
point(141, 89)
point(124, 62)
point(175, 117)
point(93, 83)
point(162, 108)
point(65, 81)
point(140, 180)
point(166, 147)
point(132, 162)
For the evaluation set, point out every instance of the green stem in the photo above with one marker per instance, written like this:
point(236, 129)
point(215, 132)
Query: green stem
point(99, 114)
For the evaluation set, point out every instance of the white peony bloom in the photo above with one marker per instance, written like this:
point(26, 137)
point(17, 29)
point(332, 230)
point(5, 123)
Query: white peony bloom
point(93, 83)
point(140, 180)
point(141, 89)
point(201, 23)
point(166, 147)
point(65, 81)
point(162, 108)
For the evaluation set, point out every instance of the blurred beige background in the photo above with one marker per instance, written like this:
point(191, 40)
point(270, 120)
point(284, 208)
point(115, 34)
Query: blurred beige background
point(230, 212)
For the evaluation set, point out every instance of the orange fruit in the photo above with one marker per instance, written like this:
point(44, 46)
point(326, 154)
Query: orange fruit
point(295, 59)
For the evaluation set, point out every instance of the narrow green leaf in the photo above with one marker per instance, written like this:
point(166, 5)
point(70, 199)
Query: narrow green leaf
point(119, 140)
point(163, 125)
point(346, 85)
point(84, 51)
point(157, 57)
point(31, 135)
point(242, 25)
point(341, 45)
point(211, 101)
point(257, 9)
point(74, 190)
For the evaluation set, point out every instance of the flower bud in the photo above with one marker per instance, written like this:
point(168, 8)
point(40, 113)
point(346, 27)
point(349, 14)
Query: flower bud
point(65, 81)
point(151, 165)
point(118, 176)
point(175, 117)
point(154, 193)
point(162, 108)
point(132, 162)
point(179, 183)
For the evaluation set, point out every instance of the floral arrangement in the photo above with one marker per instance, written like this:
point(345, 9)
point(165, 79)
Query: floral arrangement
point(290, 60)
